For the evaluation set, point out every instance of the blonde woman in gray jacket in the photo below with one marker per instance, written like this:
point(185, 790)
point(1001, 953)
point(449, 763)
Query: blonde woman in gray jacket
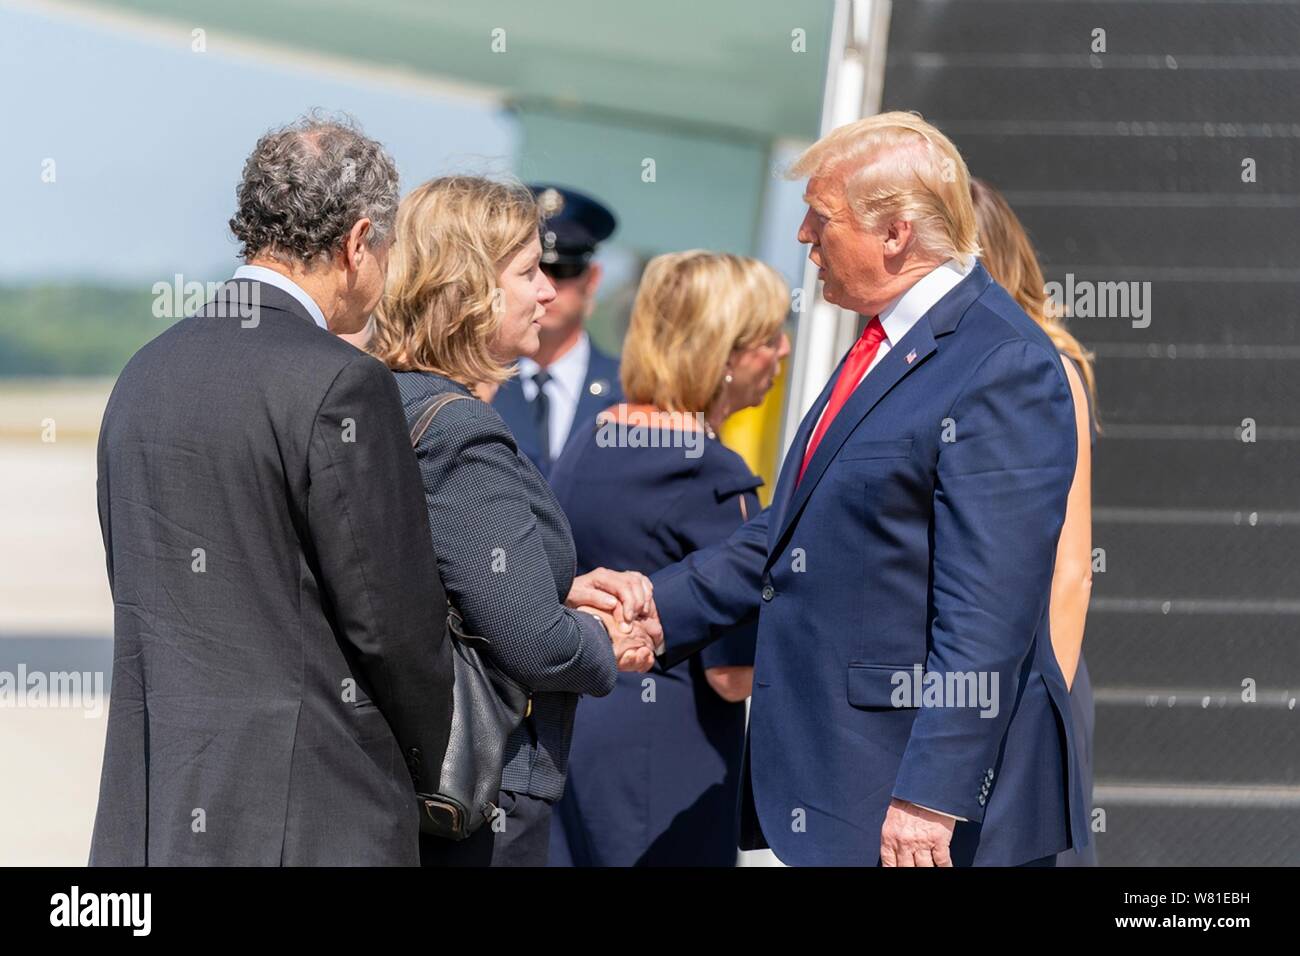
point(463, 299)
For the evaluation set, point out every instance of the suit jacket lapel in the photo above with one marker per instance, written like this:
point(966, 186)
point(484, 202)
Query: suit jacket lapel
point(940, 320)
point(794, 457)
point(588, 407)
point(602, 371)
point(514, 409)
point(893, 368)
point(237, 297)
point(590, 404)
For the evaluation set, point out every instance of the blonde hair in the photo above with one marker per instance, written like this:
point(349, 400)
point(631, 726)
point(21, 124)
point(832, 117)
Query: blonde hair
point(692, 309)
point(902, 168)
point(1010, 259)
point(451, 238)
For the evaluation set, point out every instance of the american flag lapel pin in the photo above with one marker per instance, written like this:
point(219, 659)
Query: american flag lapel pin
point(911, 357)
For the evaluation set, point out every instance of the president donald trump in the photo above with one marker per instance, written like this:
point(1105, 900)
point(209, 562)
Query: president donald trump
point(907, 706)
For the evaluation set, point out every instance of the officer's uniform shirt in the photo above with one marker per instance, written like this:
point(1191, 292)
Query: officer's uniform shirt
point(568, 374)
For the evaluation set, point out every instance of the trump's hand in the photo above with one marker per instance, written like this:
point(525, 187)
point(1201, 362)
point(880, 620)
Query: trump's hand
point(648, 626)
point(629, 594)
point(914, 836)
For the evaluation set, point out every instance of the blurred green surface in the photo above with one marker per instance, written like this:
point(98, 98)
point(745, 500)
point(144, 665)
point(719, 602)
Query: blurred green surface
point(73, 329)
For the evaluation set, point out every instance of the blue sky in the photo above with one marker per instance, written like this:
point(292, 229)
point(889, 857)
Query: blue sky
point(149, 138)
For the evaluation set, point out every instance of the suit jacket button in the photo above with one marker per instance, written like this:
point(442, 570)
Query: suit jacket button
point(769, 592)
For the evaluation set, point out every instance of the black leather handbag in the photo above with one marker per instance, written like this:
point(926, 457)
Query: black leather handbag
point(487, 707)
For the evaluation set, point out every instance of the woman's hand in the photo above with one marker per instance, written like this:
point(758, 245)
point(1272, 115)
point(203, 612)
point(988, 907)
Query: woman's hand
point(634, 644)
point(733, 683)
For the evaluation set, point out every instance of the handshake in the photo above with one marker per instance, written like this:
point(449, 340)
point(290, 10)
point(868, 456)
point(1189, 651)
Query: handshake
point(624, 602)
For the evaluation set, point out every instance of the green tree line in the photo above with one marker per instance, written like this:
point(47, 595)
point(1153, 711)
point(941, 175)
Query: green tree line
point(73, 329)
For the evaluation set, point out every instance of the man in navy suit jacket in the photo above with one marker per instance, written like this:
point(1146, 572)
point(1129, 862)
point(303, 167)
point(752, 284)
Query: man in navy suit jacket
point(569, 381)
point(907, 709)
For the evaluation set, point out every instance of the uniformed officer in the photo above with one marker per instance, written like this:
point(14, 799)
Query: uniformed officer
point(569, 381)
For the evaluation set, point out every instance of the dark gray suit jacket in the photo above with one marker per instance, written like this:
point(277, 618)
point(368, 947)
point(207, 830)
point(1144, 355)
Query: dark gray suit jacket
point(506, 555)
point(279, 646)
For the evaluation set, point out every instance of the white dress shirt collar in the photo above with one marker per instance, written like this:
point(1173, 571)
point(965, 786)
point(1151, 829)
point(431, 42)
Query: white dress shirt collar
point(568, 371)
point(904, 312)
point(564, 390)
point(285, 284)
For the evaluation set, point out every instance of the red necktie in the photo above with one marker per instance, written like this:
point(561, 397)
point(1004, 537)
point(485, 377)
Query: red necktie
point(855, 366)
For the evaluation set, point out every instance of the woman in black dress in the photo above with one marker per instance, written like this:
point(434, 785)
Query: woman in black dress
point(1010, 259)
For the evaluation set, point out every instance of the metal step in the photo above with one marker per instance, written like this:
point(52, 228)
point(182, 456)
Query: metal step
point(1221, 474)
point(1058, 29)
point(1169, 651)
point(970, 91)
point(1132, 242)
point(1211, 391)
point(1152, 563)
point(1077, 169)
point(1197, 736)
point(1199, 311)
point(1195, 826)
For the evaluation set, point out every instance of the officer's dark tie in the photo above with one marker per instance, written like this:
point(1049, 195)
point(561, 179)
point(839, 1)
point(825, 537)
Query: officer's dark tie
point(542, 416)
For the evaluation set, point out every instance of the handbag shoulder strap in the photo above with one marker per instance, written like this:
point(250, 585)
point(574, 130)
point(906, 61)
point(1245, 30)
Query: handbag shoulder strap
point(455, 624)
point(431, 408)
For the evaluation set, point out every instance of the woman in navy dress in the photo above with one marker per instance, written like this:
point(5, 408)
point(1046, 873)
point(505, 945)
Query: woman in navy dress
point(654, 768)
point(1010, 259)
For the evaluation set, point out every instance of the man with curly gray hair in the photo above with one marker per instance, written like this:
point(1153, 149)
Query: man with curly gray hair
point(316, 210)
point(281, 670)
